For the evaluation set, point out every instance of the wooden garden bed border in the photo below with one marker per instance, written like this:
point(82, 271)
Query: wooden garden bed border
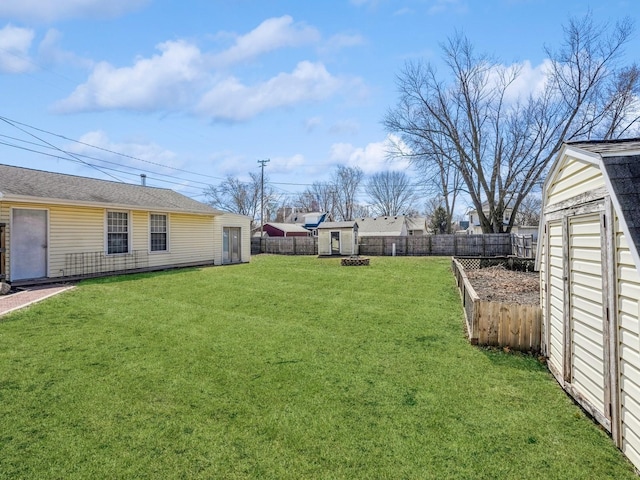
point(496, 323)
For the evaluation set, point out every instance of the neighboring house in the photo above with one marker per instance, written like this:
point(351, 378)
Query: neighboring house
point(309, 220)
point(58, 226)
point(273, 229)
point(417, 226)
point(338, 238)
point(588, 257)
point(474, 219)
point(383, 226)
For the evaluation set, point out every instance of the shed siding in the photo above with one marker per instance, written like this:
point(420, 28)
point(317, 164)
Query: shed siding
point(555, 296)
point(573, 178)
point(587, 325)
point(628, 310)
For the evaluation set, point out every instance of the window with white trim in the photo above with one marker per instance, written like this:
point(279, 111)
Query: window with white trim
point(117, 232)
point(158, 232)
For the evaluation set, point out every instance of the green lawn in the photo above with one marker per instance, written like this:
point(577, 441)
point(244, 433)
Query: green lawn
point(288, 367)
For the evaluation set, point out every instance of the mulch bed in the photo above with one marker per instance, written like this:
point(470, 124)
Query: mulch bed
point(498, 284)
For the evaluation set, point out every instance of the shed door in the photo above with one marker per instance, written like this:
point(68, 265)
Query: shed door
point(335, 243)
point(28, 256)
point(554, 328)
point(588, 345)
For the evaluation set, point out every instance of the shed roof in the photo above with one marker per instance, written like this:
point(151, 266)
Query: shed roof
point(25, 184)
point(624, 175)
point(349, 224)
point(619, 162)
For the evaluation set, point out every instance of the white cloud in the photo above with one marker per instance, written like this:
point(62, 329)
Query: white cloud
point(270, 35)
point(182, 78)
point(164, 81)
point(49, 11)
point(231, 100)
point(285, 164)
point(134, 153)
point(15, 43)
point(371, 158)
point(50, 52)
point(530, 81)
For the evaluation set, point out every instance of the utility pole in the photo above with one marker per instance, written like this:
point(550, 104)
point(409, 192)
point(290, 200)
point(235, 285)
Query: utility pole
point(262, 164)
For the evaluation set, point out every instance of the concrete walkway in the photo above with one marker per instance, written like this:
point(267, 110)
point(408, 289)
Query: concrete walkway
point(30, 295)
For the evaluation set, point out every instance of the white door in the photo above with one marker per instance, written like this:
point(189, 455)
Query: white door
point(554, 328)
point(587, 312)
point(28, 244)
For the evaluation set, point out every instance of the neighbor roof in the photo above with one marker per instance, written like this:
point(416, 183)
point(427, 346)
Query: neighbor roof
point(288, 227)
point(25, 184)
point(381, 225)
point(349, 224)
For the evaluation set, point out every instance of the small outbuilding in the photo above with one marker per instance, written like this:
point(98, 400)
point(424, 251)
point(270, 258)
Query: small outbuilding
point(338, 238)
point(590, 282)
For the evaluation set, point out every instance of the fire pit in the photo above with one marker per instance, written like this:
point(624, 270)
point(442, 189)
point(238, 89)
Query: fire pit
point(354, 261)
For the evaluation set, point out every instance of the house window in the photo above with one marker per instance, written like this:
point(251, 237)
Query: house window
point(117, 232)
point(158, 232)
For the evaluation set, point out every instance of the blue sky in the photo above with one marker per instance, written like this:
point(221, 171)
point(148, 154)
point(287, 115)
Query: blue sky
point(189, 92)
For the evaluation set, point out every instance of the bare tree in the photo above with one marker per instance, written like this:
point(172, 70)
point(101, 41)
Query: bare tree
point(346, 181)
point(390, 193)
point(319, 197)
point(235, 196)
point(500, 146)
point(529, 211)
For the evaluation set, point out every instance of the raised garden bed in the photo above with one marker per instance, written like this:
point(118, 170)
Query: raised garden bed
point(507, 314)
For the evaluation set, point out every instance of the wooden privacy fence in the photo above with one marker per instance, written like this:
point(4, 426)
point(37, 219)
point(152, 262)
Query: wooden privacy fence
point(487, 245)
point(496, 323)
point(522, 246)
point(285, 245)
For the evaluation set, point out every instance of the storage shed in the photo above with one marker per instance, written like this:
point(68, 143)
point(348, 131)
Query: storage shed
point(590, 282)
point(338, 238)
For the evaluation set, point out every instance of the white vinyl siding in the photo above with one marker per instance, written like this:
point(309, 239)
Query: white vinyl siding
point(82, 230)
point(574, 178)
point(628, 305)
point(586, 309)
point(555, 297)
point(230, 220)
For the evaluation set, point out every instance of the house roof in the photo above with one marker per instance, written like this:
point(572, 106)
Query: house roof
point(349, 224)
point(288, 227)
point(391, 226)
point(25, 184)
